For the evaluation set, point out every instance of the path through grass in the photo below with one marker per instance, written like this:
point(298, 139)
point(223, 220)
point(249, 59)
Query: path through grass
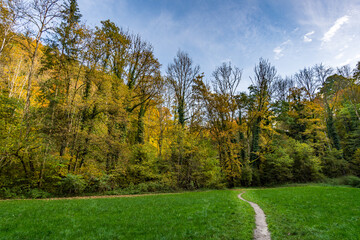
point(310, 212)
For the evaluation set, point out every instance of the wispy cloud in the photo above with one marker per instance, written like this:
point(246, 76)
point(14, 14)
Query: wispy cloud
point(332, 31)
point(307, 36)
point(350, 60)
point(280, 49)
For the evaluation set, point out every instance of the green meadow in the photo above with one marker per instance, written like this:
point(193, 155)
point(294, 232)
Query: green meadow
point(197, 215)
point(310, 212)
point(306, 212)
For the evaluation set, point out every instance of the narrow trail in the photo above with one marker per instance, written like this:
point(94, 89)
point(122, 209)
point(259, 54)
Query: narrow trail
point(92, 197)
point(261, 231)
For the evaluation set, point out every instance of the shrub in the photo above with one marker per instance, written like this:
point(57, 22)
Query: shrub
point(306, 166)
point(146, 187)
point(355, 163)
point(344, 180)
point(37, 193)
point(277, 167)
point(246, 176)
point(352, 181)
point(333, 164)
point(8, 193)
point(143, 164)
point(23, 192)
point(72, 184)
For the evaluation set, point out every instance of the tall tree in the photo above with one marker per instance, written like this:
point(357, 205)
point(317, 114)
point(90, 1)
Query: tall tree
point(10, 13)
point(180, 76)
point(61, 60)
point(265, 75)
point(143, 80)
point(39, 17)
point(305, 79)
point(330, 87)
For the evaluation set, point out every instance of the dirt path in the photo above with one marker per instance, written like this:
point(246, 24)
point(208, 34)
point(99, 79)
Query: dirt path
point(94, 197)
point(261, 231)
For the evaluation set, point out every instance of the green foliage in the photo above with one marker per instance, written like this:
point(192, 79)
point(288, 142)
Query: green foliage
point(23, 192)
point(278, 167)
point(72, 184)
point(355, 163)
point(247, 175)
point(333, 163)
point(145, 187)
point(194, 162)
point(143, 164)
point(306, 166)
point(344, 180)
point(352, 181)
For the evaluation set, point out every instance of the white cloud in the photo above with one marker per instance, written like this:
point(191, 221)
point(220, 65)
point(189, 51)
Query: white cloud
point(337, 25)
point(351, 60)
point(307, 36)
point(339, 56)
point(278, 52)
point(279, 49)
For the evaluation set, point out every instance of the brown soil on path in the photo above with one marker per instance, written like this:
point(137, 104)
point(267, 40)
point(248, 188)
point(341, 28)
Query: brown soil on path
point(94, 197)
point(261, 231)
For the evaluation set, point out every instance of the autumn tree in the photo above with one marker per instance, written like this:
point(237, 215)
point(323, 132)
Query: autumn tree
point(143, 81)
point(222, 116)
point(265, 75)
point(38, 17)
point(180, 76)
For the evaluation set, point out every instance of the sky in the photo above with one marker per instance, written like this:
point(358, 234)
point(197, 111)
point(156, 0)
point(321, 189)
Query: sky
point(291, 34)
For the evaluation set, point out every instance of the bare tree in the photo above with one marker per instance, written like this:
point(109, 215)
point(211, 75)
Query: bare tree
point(226, 81)
point(281, 88)
point(9, 21)
point(305, 79)
point(38, 18)
point(180, 76)
point(265, 76)
point(322, 73)
point(344, 71)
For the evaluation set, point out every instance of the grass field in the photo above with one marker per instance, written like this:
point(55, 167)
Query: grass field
point(312, 212)
point(198, 215)
point(305, 212)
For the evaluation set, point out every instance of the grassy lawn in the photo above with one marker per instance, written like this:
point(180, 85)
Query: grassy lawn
point(311, 212)
point(198, 215)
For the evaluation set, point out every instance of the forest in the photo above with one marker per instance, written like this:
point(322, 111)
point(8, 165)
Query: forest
point(89, 110)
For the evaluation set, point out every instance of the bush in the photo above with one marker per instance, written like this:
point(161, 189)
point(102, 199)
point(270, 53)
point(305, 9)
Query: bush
point(333, 164)
point(143, 164)
point(72, 184)
point(306, 166)
point(344, 180)
point(146, 187)
point(23, 192)
point(8, 193)
point(37, 193)
point(193, 162)
point(277, 168)
point(352, 181)
point(246, 175)
point(355, 163)
point(99, 184)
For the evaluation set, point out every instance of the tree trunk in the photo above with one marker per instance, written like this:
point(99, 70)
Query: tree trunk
point(140, 128)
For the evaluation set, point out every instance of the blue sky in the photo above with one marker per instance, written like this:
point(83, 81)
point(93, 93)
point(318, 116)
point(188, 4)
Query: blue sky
point(292, 34)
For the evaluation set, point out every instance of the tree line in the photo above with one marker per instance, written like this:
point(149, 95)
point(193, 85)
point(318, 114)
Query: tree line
point(88, 110)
